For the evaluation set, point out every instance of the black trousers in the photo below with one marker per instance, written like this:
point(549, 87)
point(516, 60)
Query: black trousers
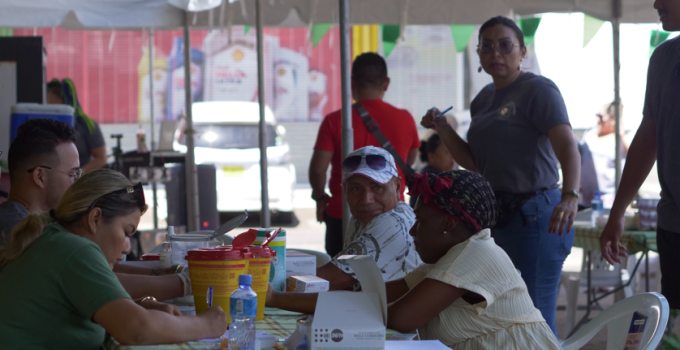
point(668, 244)
point(334, 235)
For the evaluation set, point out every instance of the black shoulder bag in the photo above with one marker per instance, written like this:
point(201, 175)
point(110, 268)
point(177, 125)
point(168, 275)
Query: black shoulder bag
point(373, 128)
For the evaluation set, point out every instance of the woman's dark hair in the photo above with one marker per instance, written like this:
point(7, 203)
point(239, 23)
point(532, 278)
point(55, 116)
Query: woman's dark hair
point(506, 22)
point(429, 146)
point(55, 87)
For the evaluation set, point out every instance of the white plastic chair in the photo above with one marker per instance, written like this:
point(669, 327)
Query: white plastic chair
point(617, 318)
point(321, 257)
point(603, 275)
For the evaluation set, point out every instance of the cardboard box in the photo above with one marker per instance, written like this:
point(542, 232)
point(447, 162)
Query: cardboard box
point(352, 320)
point(307, 284)
point(300, 264)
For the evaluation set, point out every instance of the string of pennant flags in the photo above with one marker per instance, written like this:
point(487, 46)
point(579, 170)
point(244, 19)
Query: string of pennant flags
point(462, 34)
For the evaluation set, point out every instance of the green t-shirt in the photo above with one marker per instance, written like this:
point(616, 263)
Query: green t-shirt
point(49, 295)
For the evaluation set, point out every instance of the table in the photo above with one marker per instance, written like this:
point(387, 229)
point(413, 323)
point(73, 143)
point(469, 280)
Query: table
point(278, 323)
point(588, 238)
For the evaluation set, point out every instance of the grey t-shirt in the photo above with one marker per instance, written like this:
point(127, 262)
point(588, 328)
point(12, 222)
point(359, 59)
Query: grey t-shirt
point(11, 213)
point(508, 134)
point(662, 104)
point(86, 141)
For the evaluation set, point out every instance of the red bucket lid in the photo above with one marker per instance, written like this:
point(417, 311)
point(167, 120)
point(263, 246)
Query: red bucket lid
point(151, 257)
point(213, 254)
point(262, 252)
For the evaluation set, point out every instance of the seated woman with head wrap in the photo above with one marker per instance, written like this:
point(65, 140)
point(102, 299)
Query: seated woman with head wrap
point(468, 293)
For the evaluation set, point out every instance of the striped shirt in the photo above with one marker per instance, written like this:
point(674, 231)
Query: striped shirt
point(387, 239)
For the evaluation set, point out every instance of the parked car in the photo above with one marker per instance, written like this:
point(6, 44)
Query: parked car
point(227, 136)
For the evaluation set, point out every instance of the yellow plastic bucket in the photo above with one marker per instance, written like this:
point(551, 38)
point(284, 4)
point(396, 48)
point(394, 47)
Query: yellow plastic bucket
point(259, 267)
point(217, 268)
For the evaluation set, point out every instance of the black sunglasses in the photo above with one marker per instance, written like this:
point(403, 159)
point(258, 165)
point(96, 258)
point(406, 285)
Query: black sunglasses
point(137, 190)
point(373, 161)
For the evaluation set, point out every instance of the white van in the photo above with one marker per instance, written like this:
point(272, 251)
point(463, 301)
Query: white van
point(227, 136)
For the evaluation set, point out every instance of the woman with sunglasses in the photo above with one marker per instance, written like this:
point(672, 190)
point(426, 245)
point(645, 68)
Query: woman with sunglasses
point(467, 294)
point(57, 287)
point(519, 131)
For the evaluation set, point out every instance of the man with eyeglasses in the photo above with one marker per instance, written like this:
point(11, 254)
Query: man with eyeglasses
point(380, 221)
point(656, 140)
point(43, 163)
point(369, 85)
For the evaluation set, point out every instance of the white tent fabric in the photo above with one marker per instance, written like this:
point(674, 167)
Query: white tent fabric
point(160, 14)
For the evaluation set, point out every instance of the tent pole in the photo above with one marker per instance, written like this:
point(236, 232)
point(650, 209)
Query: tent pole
point(265, 220)
point(152, 123)
point(616, 26)
point(190, 165)
point(347, 132)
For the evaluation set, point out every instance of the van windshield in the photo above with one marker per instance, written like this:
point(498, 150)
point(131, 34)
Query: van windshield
point(232, 136)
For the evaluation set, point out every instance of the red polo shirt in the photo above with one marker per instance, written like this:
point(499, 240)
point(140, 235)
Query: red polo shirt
point(396, 124)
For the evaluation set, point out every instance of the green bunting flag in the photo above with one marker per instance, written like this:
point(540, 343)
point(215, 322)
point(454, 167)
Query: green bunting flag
point(6, 32)
point(247, 28)
point(656, 39)
point(591, 26)
point(461, 36)
point(390, 34)
point(319, 31)
point(529, 27)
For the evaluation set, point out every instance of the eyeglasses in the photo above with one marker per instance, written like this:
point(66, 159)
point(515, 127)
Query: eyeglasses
point(137, 190)
point(373, 161)
point(74, 174)
point(505, 47)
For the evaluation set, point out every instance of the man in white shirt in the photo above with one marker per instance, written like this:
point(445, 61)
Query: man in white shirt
point(380, 223)
point(601, 142)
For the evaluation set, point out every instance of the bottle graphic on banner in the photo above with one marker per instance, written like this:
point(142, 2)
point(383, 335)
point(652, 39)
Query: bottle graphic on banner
point(318, 96)
point(291, 81)
point(175, 92)
point(231, 67)
point(160, 74)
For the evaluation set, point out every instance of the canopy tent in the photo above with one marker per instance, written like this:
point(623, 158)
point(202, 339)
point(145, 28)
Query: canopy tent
point(159, 14)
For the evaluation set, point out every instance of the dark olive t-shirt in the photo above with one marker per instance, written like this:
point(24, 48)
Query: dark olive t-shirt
point(49, 295)
point(508, 134)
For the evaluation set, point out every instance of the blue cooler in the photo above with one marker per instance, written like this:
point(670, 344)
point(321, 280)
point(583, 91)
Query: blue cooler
point(21, 112)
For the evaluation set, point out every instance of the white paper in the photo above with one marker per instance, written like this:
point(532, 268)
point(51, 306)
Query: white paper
point(368, 274)
point(420, 345)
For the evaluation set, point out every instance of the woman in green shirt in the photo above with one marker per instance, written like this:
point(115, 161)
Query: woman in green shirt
point(58, 289)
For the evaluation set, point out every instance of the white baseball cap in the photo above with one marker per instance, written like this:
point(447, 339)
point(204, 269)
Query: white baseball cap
point(373, 162)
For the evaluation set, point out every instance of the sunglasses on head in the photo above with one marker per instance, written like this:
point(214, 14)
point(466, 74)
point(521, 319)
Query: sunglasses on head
point(504, 47)
point(137, 190)
point(373, 161)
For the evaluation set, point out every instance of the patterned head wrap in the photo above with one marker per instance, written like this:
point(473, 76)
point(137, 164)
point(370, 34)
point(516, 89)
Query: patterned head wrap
point(462, 195)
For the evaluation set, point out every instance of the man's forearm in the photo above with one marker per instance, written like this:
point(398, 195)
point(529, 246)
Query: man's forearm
point(317, 180)
point(640, 160)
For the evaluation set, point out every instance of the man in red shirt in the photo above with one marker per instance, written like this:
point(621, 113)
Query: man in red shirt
point(369, 84)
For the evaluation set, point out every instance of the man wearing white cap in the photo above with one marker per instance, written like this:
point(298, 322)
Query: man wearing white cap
point(380, 222)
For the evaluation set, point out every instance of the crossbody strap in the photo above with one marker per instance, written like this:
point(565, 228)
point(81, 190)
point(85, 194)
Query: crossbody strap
point(373, 128)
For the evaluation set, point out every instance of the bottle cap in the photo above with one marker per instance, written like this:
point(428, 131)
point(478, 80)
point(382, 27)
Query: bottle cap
point(245, 279)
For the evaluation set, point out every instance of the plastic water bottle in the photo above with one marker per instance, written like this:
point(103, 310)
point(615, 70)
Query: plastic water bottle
point(242, 309)
point(597, 209)
point(166, 249)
